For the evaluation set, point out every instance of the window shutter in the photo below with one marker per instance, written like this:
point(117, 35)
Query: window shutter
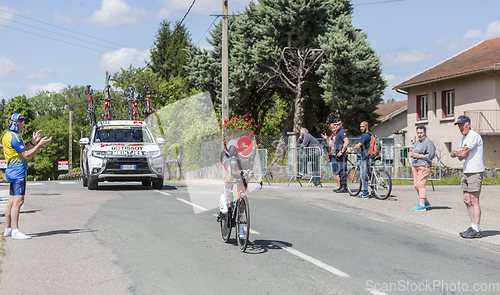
point(443, 104)
point(419, 98)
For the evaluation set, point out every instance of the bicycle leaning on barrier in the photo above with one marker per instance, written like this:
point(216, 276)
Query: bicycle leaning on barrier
point(379, 180)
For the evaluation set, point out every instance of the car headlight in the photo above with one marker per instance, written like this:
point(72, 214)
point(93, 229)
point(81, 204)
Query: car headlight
point(100, 154)
point(153, 154)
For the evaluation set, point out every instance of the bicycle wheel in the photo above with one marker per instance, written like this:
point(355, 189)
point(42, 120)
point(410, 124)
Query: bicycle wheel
point(225, 226)
point(382, 184)
point(243, 222)
point(354, 181)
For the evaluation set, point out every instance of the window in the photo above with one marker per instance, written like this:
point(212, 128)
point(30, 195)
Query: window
point(448, 103)
point(422, 103)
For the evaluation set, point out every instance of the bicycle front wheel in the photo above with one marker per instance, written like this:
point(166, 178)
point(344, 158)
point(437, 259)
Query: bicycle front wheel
point(382, 184)
point(225, 226)
point(354, 181)
point(243, 223)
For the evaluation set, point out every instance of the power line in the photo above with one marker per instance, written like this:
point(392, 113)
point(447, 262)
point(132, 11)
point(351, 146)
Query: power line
point(61, 28)
point(93, 49)
point(216, 17)
point(171, 36)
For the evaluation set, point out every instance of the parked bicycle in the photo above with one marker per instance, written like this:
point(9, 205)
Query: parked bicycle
point(379, 180)
point(91, 107)
point(108, 106)
point(238, 214)
point(132, 106)
point(148, 107)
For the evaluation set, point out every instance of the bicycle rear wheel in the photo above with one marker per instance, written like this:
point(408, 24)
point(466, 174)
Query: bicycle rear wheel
point(242, 222)
point(382, 185)
point(225, 225)
point(354, 181)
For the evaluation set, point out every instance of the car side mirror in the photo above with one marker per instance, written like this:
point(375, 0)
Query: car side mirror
point(84, 141)
point(160, 141)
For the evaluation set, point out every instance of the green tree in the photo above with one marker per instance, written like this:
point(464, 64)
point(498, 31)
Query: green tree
point(169, 55)
point(352, 79)
point(20, 104)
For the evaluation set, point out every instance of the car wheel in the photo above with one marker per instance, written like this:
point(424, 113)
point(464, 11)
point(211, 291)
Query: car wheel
point(92, 184)
point(158, 184)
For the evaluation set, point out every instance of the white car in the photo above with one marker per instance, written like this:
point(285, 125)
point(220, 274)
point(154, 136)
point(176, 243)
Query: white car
point(122, 151)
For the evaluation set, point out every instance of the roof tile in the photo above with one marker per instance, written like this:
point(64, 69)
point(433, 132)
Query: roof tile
point(481, 57)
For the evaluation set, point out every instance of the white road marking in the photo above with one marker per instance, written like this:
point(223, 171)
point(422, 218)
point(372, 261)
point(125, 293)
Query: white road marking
point(66, 182)
point(192, 204)
point(35, 183)
point(312, 260)
point(166, 194)
point(375, 292)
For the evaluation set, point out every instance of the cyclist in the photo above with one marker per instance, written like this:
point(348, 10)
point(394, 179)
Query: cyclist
point(238, 158)
point(364, 143)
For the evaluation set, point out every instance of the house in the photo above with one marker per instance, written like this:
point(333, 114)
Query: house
point(468, 83)
point(392, 121)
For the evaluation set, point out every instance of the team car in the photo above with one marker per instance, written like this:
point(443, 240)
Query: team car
point(122, 151)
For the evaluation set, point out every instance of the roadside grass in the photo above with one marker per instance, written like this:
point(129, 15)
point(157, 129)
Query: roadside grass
point(2, 243)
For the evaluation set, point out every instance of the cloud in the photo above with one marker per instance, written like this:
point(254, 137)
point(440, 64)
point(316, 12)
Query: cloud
point(33, 89)
point(63, 18)
point(406, 57)
point(393, 80)
point(6, 66)
point(5, 16)
point(493, 30)
point(42, 74)
point(117, 13)
point(2, 95)
point(123, 58)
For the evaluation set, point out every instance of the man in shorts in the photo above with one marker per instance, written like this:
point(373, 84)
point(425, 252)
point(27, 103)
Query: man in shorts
point(471, 150)
point(17, 155)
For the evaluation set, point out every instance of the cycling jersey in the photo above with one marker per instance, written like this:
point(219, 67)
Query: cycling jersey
point(13, 146)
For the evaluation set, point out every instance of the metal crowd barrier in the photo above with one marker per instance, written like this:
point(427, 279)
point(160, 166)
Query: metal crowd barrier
point(403, 168)
point(261, 171)
point(304, 163)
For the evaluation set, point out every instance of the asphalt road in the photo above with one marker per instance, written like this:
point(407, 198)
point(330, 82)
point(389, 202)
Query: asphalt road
point(125, 239)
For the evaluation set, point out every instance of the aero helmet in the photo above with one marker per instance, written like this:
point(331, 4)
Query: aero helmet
point(245, 147)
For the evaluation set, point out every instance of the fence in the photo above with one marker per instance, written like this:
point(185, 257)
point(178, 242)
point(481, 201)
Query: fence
point(304, 163)
point(261, 169)
point(403, 168)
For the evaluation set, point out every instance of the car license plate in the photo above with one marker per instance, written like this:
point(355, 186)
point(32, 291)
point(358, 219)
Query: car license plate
point(128, 167)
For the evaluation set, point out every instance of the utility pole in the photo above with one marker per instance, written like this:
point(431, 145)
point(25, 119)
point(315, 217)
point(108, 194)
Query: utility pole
point(70, 160)
point(225, 67)
point(107, 79)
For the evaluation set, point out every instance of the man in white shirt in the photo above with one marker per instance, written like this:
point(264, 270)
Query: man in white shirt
point(471, 150)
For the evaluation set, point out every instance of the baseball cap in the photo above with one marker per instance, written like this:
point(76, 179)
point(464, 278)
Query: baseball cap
point(17, 117)
point(337, 120)
point(462, 119)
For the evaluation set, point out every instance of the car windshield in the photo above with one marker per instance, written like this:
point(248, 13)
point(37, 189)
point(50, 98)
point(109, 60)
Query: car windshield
point(122, 134)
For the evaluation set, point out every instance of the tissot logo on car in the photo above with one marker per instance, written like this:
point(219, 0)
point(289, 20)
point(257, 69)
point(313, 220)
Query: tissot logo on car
point(126, 148)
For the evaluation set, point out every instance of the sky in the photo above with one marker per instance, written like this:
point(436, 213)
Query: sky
point(50, 45)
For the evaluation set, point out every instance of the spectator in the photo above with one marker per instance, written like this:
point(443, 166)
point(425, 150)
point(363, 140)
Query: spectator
point(471, 150)
point(340, 148)
point(17, 155)
point(313, 155)
point(331, 153)
point(364, 143)
point(423, 153)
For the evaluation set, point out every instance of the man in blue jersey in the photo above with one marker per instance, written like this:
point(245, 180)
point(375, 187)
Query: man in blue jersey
point(17, 155)
point(364, 144)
